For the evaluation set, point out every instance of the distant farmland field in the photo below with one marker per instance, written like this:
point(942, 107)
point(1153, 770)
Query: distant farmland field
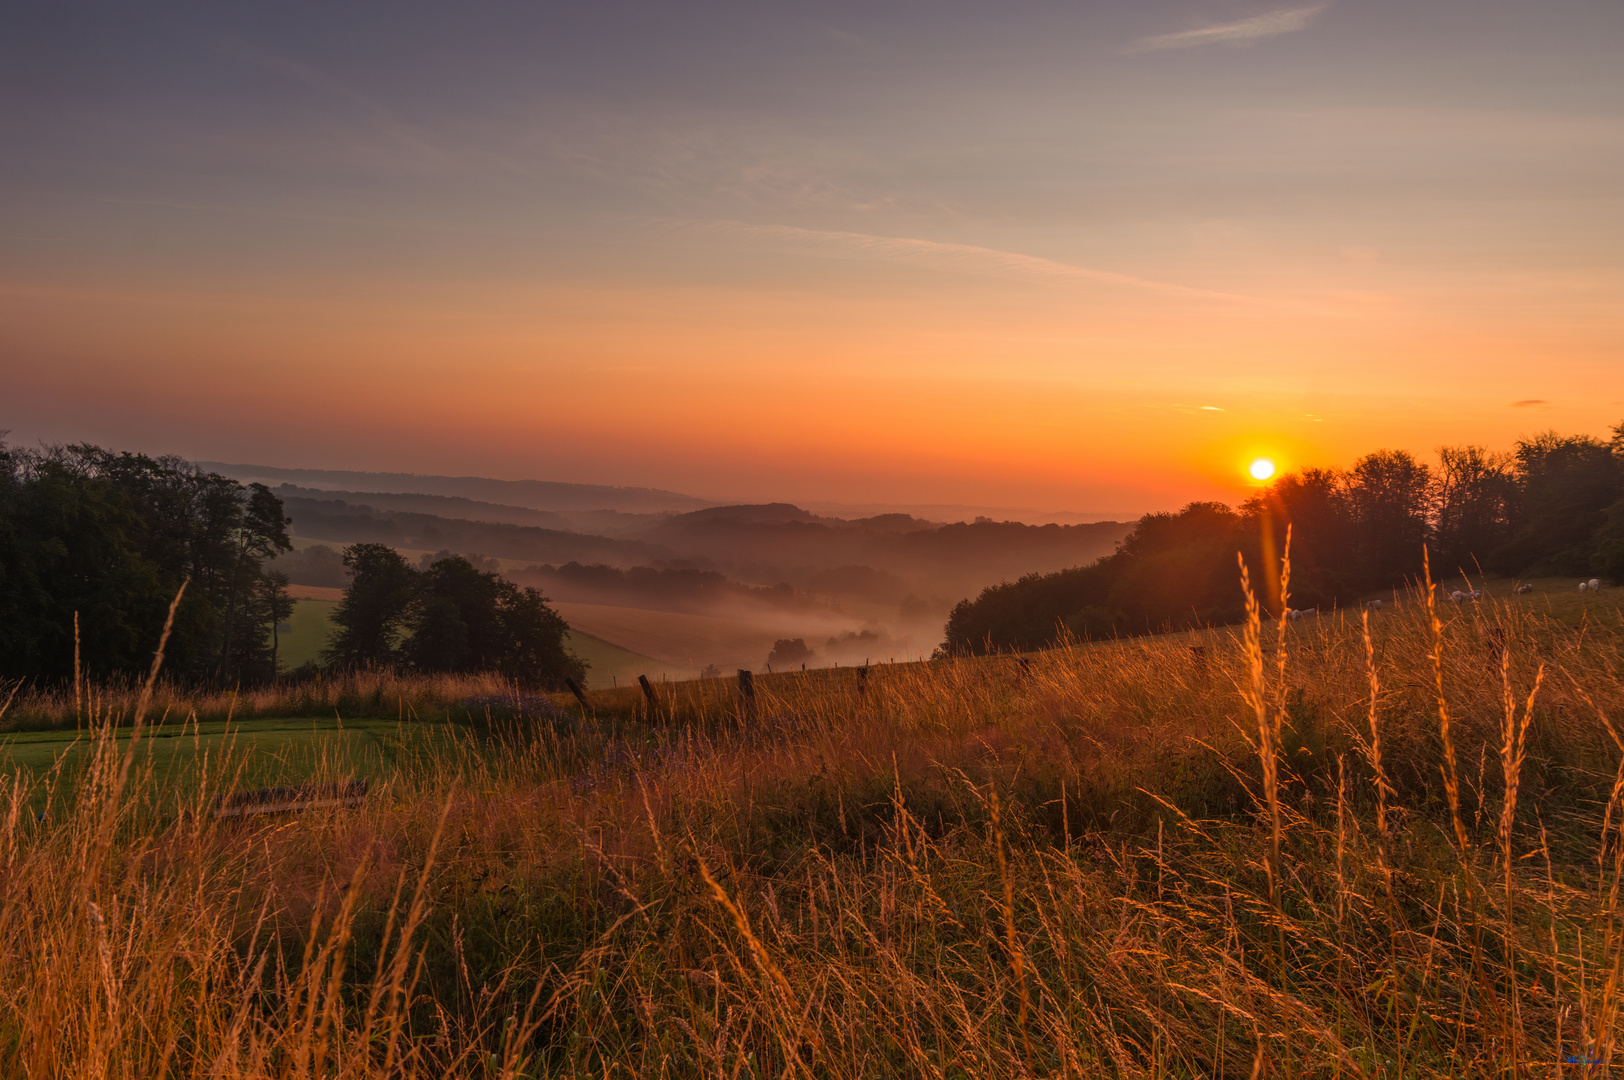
point(312, 619)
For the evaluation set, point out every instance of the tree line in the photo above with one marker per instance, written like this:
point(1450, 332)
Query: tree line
point(108, 538)
point(95, 544)
point(1552, 506)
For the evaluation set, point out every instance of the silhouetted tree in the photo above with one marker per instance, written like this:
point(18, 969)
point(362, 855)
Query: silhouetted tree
point(454, 621)
point(371, 618)
point(1389, 502)
point(466, 619)
point(537, 653)
point(789, 651)
point(1030, 612)
point(272, 607)
point(1565, 485)
point(112, 536)
point(1474, 490)
point(1314, 503)
point(1179, 569)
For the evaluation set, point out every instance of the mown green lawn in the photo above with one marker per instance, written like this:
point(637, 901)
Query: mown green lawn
point(242, 755)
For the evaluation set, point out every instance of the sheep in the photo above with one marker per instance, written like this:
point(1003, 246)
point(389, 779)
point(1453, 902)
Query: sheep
point(1524, 589)
point(1475, 594)
point(1296, 614)
point(1373, 605)
point(1457, 596)
point(1584, 586)
point(1595, 583)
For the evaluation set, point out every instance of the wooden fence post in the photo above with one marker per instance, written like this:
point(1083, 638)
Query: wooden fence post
point(747, 694)
point(653, 702)
point(575, 688)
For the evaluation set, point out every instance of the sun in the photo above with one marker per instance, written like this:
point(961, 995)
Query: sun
point(1261, 469)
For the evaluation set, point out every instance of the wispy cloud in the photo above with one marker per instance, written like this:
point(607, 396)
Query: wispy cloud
point(1530, 403)
point(935, 255)
point(1271, 24)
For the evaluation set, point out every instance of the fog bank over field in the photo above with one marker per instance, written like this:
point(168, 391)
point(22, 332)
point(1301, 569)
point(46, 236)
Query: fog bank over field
point(716, 587)
point(946, 512)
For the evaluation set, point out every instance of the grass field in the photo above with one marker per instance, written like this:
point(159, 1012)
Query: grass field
point(610, 665)
point(1309, 852)
point(307, 634)
point(265, 753)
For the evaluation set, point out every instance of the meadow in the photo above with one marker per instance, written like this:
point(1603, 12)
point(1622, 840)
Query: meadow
point(1325, 848)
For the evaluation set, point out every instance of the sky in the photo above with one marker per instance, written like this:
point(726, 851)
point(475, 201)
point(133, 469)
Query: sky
point(1092, 256)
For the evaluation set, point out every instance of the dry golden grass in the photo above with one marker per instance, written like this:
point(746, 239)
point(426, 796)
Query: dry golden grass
point(1125, 861)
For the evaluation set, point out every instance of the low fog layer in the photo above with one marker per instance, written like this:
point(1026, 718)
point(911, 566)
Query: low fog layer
point(722, 587)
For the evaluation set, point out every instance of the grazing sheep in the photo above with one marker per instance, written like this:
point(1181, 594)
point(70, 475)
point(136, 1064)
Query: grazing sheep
point(1584, 586)
point(1595, 583)
point(1373, 605)
point(1296, 614)
point(1524, 589)
point(1457, 596)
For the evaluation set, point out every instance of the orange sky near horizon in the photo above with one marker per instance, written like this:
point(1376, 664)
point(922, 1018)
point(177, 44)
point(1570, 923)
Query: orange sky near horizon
point(792, 299)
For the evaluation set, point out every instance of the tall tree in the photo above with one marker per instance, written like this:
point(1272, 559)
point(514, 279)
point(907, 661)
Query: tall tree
point(272, 607)
point(466, 619)
point(371, 619)
point(536, 653)
point(1474, 490)
point(1565, 484)
point(112, 536)
point(1179, 569)
point(1389, 500)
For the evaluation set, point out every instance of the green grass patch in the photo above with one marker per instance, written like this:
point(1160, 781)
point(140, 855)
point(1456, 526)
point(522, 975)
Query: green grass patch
point(240, 754)
point(302, 643)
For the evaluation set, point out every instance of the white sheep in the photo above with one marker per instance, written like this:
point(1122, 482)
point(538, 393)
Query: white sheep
point(1524, 589)
point(1297, 614)
point(1373, 605)
point(1584, 586)
point(1457, 596)
point(1595, 583)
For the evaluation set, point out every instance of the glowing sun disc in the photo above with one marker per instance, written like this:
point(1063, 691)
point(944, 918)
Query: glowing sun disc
point(1261, 469)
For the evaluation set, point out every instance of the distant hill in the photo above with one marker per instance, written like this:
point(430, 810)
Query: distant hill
point(779, 542)
point(452, 506)
point(531, 494)
point(340, 522)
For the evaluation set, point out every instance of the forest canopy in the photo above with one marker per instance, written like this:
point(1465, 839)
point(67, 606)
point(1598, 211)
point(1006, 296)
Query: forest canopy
point(108, 538)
